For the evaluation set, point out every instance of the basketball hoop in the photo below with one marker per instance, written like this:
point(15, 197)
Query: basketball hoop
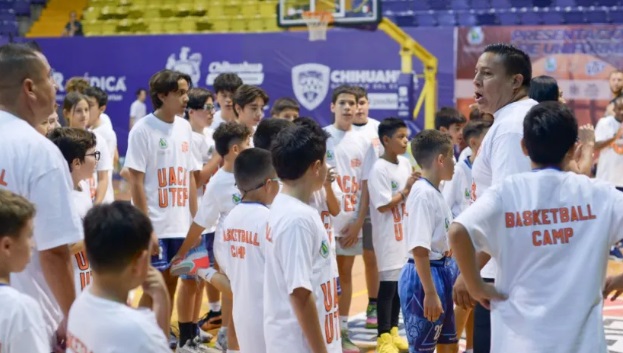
point(317, 24)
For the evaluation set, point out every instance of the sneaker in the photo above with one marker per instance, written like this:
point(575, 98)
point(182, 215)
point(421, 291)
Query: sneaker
point(190, 264)
point(211, 320)
point(615, 254)
point(347, 345)
point(204, 337)
point(385, 344)
point(172, 340)
point(400, 343)
point(221, 341)
point(192, 347)
point(371, 319)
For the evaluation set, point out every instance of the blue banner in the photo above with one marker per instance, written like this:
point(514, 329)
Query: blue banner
point(285, 64)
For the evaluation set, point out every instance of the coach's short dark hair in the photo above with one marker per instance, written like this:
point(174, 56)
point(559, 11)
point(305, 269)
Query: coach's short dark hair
point(15, 212)
point(227, 82)
point(475, 129)
point(107, 226)
point(448, 116)
point(429, 144)
point(165, 82)
point(549, 131)
point(72, 142)
point(100, 96)
point(17, 63)
point(282, 104)
point(515, 61)
point(544, 88)
point(389, 126)
point(228, 134)
point(139, 91)
point(247, 94)
point(343, 89)
point(266, 131)
point(295, 149)
point(252, 167)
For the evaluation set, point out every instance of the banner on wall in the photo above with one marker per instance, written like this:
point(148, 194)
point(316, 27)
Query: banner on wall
point(284, 64)
point(580, 58)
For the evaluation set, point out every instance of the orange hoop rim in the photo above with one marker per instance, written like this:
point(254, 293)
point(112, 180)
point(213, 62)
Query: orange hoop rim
point(323, 16)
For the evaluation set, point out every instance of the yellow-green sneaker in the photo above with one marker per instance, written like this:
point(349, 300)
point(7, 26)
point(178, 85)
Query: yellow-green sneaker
point(400, 343)
point(347, 345)
point(385, 344)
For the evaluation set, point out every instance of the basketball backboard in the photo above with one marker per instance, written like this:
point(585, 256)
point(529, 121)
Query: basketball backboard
point(345, 12)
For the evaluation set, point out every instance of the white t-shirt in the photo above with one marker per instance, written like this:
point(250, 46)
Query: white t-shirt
point(82, 268)
point(458, 191)
point(218, 120)
point(346, 151)
point(21, 324)
point(245, 237)
point(500, 155)
point(33, 167)
point(106, 120)
point(298, 255)
point(427, 220)
point(466, 152)
point(163, 152)
point(105, 164)
point(371, 131)
point(138, 110)
point(319, 202)
point(386, 180)
point(610, 166)
point(100, 325)
point(111, 143)
point(220, 197)
point(201, 153)
point(550, 233)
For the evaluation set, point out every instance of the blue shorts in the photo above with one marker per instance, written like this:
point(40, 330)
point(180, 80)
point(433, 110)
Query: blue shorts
point(209, 243)
point(169, 248)
point(424, 335)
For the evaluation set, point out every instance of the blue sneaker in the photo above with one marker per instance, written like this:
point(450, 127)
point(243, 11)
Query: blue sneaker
point(615, 254)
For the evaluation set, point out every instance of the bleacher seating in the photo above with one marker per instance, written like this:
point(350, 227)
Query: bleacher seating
point(502, 12)
point(110, 17)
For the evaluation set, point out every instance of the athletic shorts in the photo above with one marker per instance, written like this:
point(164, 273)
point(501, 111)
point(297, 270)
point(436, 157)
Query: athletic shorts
point(424, 335)
point(367, 234)
point(169, 248)
point(210, 247)
point(354, 250)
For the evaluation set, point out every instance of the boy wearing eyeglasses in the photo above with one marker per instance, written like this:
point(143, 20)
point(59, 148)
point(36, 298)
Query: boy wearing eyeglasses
point(78, 148)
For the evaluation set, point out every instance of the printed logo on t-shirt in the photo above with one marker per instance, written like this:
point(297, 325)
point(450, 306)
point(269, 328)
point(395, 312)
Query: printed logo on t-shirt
point(184, 147)
point(447, 224)
point(236, 198)
point(163, 143)
point(324, 248)
point(394, 186)
point(329, 155)
point(468, 195)
point(473, 193)
point(172, 187)
point(355, 163)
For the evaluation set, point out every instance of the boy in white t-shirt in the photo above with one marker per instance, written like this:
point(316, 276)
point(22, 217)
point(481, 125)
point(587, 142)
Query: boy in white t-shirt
point(225, 85)
point(76, 111)
point(370, 128)
point(267, 130)
point(249, 103)
point(244, 231)
point(161, 163)
point(219, 198)
point(609, 143)
point(300, 285)
point(116, 271)
point(546, 229)
point(346, 150)
point(425, 286)
point(285, 108)
point(390, 182)
point(21, 323)
point(78, 148)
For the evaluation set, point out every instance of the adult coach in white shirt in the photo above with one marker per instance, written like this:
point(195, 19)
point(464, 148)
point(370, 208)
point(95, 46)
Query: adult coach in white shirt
point(501, 84)
point(32, 166)
point(138, 109)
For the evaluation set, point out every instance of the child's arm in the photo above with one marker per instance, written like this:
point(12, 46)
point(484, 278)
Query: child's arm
point(432, 304)
point(192, 238)
point(192, 197)
point(351, 231)
point(125, 174)
point(208, 170)
point(303, 303)
point(76, 247)
point(333, 204)
point(137, 190)
point(155, 287)
point(401, 196)
point(102, 186)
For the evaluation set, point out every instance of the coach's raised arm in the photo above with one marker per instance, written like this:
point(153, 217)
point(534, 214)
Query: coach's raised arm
point(32, 166)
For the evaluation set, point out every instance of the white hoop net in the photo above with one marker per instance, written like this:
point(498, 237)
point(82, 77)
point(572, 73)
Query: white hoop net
point(317, 24)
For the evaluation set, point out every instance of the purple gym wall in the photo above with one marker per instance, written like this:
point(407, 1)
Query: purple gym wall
point(121, 65)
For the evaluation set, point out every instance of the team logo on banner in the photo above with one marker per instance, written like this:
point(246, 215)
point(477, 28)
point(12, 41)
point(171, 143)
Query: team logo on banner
point(311, 84)
point(188, 64)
